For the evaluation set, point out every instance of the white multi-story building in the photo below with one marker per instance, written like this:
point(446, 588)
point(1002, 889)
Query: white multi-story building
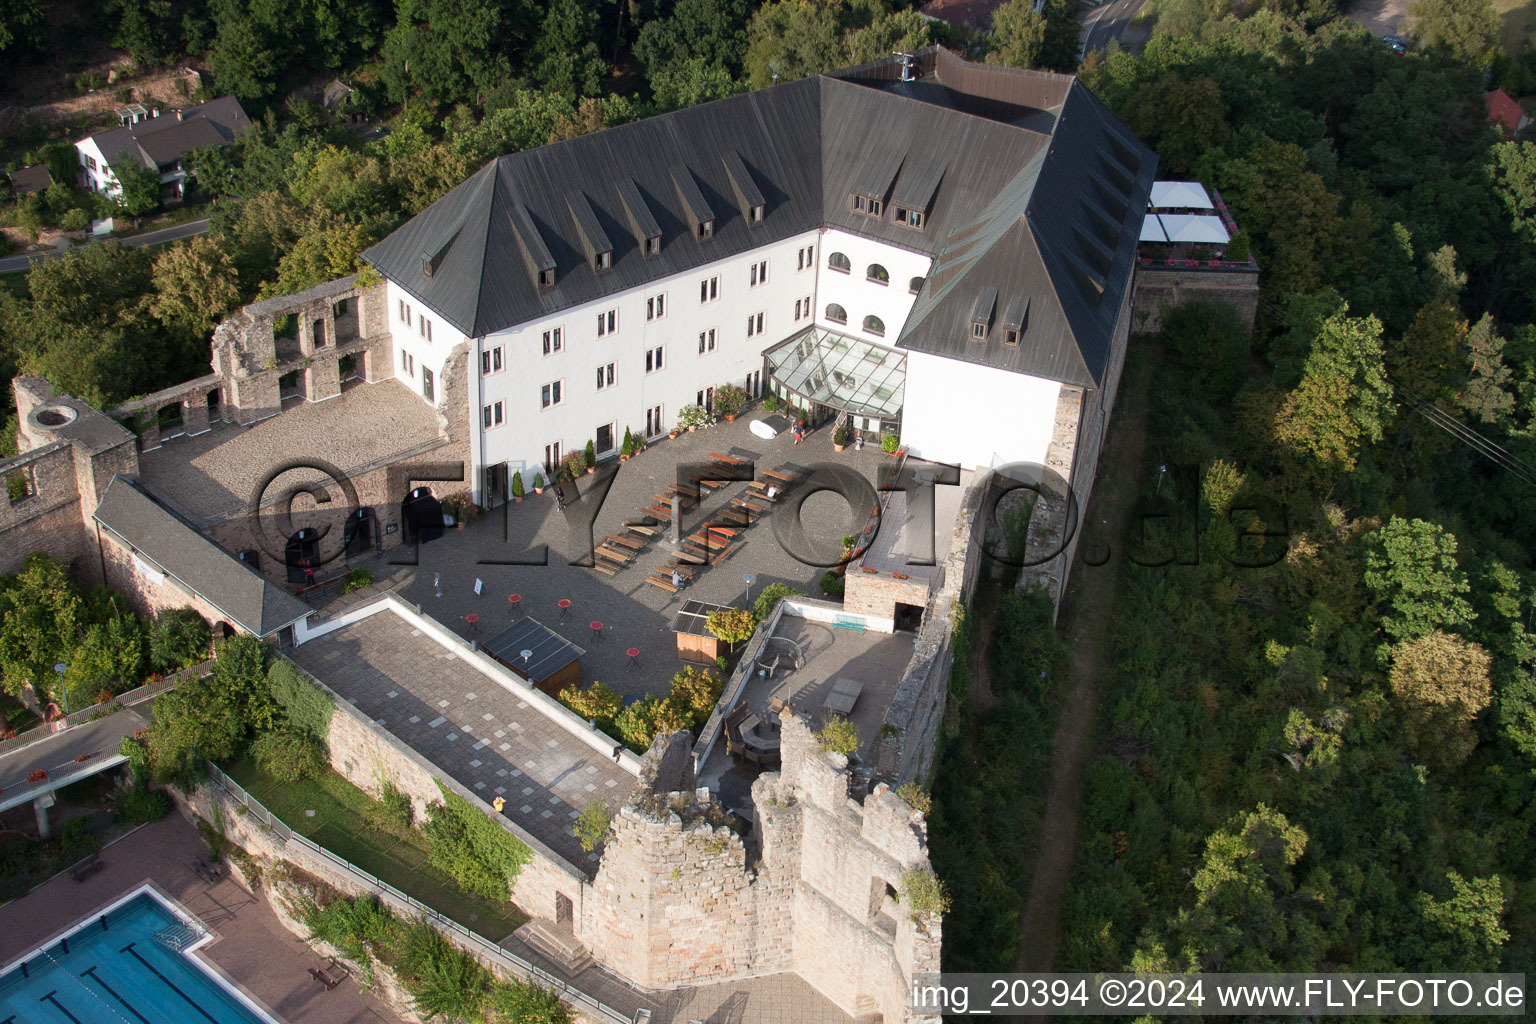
point(919, 245)
point(158, 142)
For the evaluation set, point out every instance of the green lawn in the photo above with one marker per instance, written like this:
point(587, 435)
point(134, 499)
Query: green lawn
point(333, 813)
point(1515, 23)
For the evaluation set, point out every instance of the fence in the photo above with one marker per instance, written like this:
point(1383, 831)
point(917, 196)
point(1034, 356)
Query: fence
point(400, 901)
point(127, 699)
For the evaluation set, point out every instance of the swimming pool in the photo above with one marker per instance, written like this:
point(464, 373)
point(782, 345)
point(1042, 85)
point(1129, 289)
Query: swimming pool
point(130, 962)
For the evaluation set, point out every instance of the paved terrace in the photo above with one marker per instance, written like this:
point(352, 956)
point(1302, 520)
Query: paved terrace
point(876, 660)
point(633, 612)
point(250, 948)
point(214, 476)
point(486, 737)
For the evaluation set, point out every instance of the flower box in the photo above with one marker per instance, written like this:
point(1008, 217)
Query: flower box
point(85, 757)
point(867, 569)
point(900, 576)
point(37, 775)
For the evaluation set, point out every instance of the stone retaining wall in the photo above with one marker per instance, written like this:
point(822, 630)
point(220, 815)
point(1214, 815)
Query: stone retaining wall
point(1160, 287)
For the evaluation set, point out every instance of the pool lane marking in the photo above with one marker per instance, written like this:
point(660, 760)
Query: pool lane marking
point(169, 983)
point(91, 973)
point(59, 1006)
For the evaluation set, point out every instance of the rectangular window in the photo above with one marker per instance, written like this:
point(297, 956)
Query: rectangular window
point(806, 259)
point(554, 340)
point(759, 274)
point(655, 358)
point(858, 204)
point(90, 162)
point(426, 384)
point(802, 308)
point(492, 415)
point(490, 361)
point(605, 376)
point(978, 329)
point(405, 313)
point(424, 326)
point(656, 307)
point(607, 322)
point(706, 400)
point(406, 364)
point(653, 424)
point(709, 289)
point(706, 341)
point(754, 324)
point(551, 394)
point(1010, 337)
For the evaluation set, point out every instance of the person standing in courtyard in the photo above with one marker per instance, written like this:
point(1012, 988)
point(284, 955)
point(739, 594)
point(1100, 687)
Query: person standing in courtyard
point(559, 498)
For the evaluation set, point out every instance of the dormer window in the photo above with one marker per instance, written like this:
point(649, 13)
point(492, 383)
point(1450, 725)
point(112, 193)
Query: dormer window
point(1010, 336)
point(603, 261)
point(653, 245)
point(981, 313)
point(757, 215)
point(867, 205)
point(911, 218)
point(706, 229)
point(979, 330)
point(547, 277)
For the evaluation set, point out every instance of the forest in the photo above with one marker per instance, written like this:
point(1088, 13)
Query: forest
point(1317, 742)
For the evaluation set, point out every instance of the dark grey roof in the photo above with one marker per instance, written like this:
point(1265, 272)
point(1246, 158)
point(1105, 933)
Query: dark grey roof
point(199, 565)
point(30, 179)
point(1049, 213)
point(693, 618)
point(549, 652)
point(163, 139)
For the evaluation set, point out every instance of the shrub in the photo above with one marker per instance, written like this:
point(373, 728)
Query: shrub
point(444, 981)
point(771, 403)
point(733, 625)
point(589, 455)
point(924, 894)
point(289, 755)
point(75, 841)
point(640, 723)
point(517, 484)
point(538, 480)
point(75, 220)
point(462, 507)
point(592, 825)
point(831, 584)
point(729, 399)
point(395, 807)
point(889, 443)
point(357, 579)
point(691, 416)
point(840, 435)
point(572, 466)
point(694, 693)
point(770, 597)
point(307, 707)
point(142, 805)
point(353, 926)
point(476, 852)
point(840, 736)
point(627, 449)
point(597, 704)
point(522, 1002)
point(16, 487)
point(916, 796)
point(180, 640)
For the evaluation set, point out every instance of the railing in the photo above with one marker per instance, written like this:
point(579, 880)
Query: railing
point(126, 699)
point(401, 901)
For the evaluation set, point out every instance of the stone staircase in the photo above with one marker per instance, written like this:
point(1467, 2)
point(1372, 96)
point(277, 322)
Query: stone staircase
point(557, 942)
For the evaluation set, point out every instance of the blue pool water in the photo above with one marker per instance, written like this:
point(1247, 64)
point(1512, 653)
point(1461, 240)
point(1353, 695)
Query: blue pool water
point(120, 967)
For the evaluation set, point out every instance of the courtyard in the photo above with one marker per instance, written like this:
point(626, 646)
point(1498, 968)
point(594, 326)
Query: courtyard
point(608, 616)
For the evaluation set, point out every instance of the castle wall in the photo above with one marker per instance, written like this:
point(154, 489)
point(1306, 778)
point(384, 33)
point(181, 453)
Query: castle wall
point(1161, 287)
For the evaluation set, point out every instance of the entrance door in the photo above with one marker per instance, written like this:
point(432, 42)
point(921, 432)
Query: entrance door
point(603, 444)
point(495, 485)
point(551, 459)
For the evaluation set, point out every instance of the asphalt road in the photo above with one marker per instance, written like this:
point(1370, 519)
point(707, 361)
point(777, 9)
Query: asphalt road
point(10, 264)
point(1113, 21)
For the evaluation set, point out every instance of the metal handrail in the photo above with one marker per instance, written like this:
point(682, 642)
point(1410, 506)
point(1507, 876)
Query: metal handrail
point(485, 947)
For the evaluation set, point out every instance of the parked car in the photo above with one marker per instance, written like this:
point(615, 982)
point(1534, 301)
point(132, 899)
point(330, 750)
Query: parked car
point(1397, 43)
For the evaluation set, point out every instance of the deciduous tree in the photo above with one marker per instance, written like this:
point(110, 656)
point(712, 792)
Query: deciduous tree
point(1410, 566)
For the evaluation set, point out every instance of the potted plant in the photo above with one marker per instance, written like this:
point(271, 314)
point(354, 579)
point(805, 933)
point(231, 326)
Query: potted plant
point(572, 466)
point(771, 403)
point(517, 487)
point(692, 417)
point(839, 438)
point(591, 456)
point(889, 443)
point(538, 482)
point(729, 400)
point(672, 434)
point(627, 449)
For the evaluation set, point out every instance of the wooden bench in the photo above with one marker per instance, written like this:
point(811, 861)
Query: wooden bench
point(779, 476)
point(664, 582)
point(633, 543)
point(729, 460)
point(644, 529)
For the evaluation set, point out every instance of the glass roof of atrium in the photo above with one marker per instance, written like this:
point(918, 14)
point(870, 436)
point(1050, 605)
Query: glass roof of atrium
point(846, 373)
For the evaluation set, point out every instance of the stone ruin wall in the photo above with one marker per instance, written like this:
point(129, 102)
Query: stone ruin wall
point(678, 899)
point(1161, 287)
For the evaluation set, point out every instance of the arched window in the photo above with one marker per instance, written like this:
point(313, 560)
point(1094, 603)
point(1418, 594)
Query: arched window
point(915, 285)
point(838, 262)
point(874, 325)
point(837, 314)
point(878, 274)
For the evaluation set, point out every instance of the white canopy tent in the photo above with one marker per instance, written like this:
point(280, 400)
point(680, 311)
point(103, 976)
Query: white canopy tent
point(1152, 229)
point(1202, 228)
point(1180, 195)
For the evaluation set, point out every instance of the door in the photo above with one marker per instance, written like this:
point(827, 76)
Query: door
point(551, 459)
point(603, 443)
point(495, 485)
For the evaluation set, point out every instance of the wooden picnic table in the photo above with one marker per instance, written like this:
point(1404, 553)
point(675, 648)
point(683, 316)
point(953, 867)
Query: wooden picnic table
point(729, 460)
point(641, 528)
point(780, 476)
point(633, 543)
point(844, 695)
point(750, 504)
point(614, 554)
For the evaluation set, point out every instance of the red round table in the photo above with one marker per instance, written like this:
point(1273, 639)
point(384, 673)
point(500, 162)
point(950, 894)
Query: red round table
point(597, 632)
point(564, 605)
point(474, 622)
point(634, 655)
point(514, 598)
